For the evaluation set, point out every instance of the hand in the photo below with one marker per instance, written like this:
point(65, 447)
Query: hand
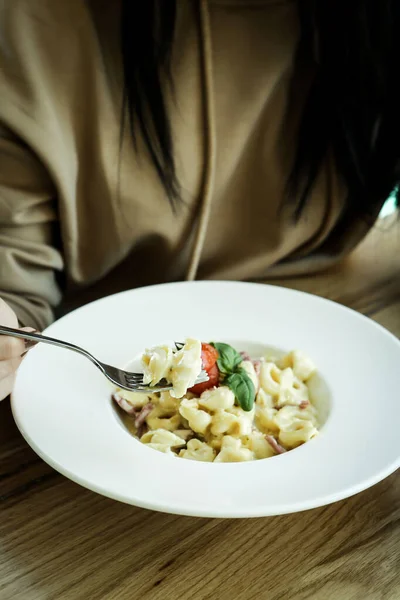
point(11, 350)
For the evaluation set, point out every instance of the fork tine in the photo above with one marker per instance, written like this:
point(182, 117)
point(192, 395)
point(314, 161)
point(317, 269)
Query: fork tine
point(134, 382)
point(134, 377)
point(144, 389)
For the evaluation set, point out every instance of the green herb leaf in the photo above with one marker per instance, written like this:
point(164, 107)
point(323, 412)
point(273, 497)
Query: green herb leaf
point(243, 388)
point(229, 359)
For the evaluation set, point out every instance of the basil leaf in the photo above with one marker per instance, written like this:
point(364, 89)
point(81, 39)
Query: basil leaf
point(243, 388)
point(229, 359)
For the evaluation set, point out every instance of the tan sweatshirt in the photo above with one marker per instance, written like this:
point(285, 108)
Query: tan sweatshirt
point(79, 220)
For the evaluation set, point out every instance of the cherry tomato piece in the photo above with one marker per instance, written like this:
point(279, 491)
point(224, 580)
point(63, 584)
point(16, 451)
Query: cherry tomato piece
point(209, 356)
point(213, 380)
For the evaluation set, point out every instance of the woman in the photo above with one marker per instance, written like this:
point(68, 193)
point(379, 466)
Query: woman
point(151, 141)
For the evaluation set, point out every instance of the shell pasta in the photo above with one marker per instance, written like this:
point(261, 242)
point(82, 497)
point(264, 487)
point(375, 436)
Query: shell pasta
point(254, 409)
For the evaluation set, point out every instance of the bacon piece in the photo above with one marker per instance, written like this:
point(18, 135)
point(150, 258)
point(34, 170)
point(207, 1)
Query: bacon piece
point(274, 444)
point(303, 404)
point(144, 413)
point(124, 404)
point(142, 430)
point(257, 367)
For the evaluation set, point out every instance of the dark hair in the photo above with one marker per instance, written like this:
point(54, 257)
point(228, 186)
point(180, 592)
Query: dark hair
point(147, 31)
point(352, 110)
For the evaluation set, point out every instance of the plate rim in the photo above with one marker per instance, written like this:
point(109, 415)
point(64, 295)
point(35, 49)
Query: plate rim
point(226, 512)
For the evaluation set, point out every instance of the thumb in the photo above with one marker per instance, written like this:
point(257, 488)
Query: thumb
point(29, 344)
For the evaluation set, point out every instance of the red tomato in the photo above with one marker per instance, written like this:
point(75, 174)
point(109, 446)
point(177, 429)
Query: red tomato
point(213, 380)
point(209, 356)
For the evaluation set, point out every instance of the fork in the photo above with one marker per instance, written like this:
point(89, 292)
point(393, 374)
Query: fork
point(132, 382)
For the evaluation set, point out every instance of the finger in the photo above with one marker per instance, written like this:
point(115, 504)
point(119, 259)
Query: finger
point(29, 343)
point(10, 347)
point(8, 367)
point(8, 316)
point(6, 386)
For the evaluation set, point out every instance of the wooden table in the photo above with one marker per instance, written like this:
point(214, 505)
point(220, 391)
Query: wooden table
point(60, 541)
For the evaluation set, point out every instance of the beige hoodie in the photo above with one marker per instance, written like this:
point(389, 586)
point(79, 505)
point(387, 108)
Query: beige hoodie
point(78, 220)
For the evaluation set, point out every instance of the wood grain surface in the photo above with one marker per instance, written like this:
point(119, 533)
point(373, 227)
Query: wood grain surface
point(59, 541)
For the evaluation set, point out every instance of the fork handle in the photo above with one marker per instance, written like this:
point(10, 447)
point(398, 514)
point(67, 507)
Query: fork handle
point(37, 337)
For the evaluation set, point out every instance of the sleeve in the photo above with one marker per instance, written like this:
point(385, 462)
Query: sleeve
point(29, 257)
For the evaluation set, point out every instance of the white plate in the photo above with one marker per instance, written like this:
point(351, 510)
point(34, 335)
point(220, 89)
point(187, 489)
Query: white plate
point(62, 404)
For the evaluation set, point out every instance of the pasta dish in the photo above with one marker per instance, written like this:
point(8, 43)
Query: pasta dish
point(248, 409)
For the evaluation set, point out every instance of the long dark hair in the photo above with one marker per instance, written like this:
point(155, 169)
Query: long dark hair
point(352, 110)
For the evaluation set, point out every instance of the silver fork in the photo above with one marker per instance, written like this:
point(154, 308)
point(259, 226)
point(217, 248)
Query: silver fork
point(132, 382)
